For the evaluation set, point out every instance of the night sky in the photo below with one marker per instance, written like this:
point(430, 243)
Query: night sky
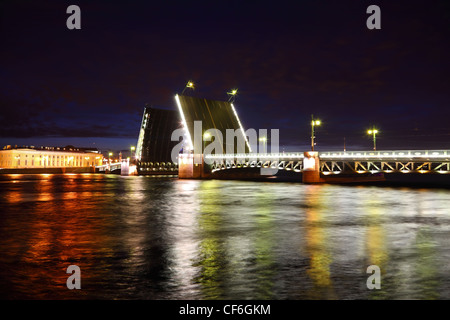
point(289, 59)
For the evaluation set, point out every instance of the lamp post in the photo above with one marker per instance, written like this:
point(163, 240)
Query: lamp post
point(263, 140)
point(133, 148)
point(109, 161)
point(206, 135)
point(189, 85)
point(373, 132)
point(314, 123)
point(232, 94)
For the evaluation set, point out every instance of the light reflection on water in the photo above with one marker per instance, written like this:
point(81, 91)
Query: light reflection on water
point(156, 238)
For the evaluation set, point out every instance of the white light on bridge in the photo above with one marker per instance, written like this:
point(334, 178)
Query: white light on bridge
point(242, 129)
point(309, 163)
point(177, 99)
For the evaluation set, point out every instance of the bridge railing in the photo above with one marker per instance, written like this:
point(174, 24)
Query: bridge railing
point(282, 155)
point(382, 154)
point(405, 161)
point(387, 154)
point(111, 166)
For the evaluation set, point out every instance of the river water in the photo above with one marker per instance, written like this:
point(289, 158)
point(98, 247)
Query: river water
point(164, 238)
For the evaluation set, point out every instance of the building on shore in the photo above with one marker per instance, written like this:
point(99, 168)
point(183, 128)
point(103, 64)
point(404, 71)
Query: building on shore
point(49, 160)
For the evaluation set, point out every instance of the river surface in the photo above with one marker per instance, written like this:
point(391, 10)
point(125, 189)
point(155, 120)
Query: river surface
point(164, 238)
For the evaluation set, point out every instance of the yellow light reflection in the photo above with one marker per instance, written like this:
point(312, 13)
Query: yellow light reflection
point(45, 191)
point(57, 237)
point(376, 248)
point(426, 270)
point(264, 246)
point(14, 196)
point(375, 236)
point(316, 240)
point(211, 257)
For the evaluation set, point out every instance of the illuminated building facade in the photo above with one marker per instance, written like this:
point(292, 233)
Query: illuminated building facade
point(49, 159)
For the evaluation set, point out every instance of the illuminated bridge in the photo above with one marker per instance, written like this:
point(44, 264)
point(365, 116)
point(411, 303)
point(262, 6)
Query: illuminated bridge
point(109, 167)
point(154, 147)
point(331, 163)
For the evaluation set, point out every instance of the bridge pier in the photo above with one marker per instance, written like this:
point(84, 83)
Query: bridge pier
point(331, 167)
point(311, 168)
point(192, 166)
point(126, 169)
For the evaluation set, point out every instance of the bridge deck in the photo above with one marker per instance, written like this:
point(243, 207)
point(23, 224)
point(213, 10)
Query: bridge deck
point(359, 162)
point(333, 155)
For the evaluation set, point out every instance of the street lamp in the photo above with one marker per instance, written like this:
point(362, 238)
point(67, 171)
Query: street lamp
point(263, 140)
point(189, 85)
point(206, 135)
point(374, 133)
point(133, 148)
point(314, 123)
point(232, 94)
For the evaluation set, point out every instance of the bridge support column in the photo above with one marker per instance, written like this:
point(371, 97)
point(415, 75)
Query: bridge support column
point(126, 169)
point(191, 166)
point(311, 168)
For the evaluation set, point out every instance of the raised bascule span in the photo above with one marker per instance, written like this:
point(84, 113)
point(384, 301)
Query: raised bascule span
point(309, 166)
point(212, 114)
point(154, 147)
